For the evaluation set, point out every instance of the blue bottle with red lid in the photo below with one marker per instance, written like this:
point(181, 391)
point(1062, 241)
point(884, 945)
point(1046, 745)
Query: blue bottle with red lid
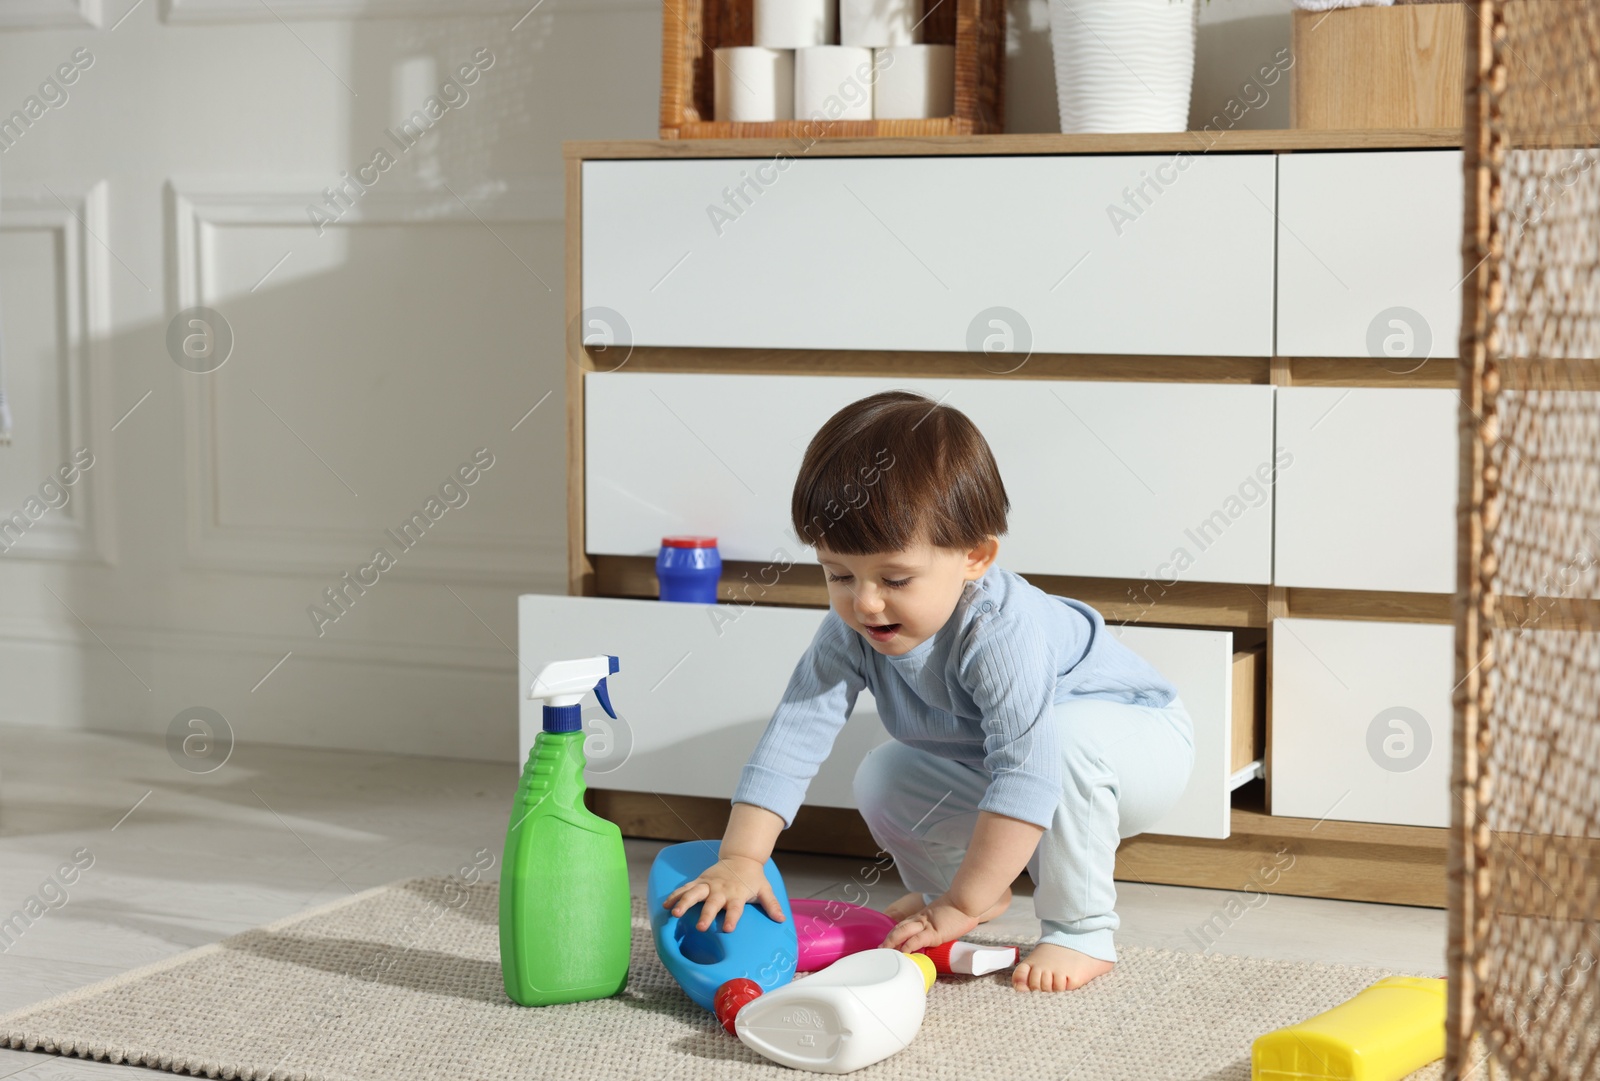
point(688, 568)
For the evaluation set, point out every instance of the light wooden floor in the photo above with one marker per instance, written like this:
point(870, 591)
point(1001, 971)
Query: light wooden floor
point(182, 860)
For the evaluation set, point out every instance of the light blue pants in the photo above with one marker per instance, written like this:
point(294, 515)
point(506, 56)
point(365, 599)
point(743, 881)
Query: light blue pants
point(1123, 766)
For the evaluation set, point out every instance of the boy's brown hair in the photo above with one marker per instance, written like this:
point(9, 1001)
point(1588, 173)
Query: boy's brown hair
point(895, 469)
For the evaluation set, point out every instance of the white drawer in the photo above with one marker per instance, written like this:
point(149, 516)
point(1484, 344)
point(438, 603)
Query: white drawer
point(1366, 494)
point(1361, 719)
point(905, 253)
point(1369, 255)
point(1117, 480)
point(1200, 665)
point(696, 686)
point(694, 702)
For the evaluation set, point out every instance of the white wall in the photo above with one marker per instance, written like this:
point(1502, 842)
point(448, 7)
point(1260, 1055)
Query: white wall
point(369, 362)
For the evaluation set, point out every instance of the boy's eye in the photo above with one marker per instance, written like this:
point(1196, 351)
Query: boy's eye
point(887, 581)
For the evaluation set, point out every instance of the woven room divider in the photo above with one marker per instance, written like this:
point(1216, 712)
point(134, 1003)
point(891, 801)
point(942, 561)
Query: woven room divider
point(1524, 951)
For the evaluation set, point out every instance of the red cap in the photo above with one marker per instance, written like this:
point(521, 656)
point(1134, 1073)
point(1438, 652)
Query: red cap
point(688, 542)
point(940, 956)
point(732, 997)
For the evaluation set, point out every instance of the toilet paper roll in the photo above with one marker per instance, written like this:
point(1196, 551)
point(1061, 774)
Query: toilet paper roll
point(914, 82)
point(833, 82)
point(753, 84)
point(880, 23)
point(793, 24)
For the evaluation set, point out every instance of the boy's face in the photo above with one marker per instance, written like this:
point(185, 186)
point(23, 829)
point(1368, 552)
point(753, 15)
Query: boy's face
point(898, 600)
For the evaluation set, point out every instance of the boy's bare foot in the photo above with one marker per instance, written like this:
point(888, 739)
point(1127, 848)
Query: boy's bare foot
point(1057, 968)
point(912, 903)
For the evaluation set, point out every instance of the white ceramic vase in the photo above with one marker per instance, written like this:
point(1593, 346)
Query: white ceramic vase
point(1123, 65)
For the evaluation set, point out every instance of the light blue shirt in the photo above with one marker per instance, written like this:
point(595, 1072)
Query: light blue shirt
point(980, 691)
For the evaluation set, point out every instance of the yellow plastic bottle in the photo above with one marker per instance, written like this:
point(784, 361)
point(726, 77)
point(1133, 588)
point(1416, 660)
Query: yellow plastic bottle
point(1385, 1032)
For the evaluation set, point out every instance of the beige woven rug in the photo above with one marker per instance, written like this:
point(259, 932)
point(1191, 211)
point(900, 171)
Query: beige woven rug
point(403, 982)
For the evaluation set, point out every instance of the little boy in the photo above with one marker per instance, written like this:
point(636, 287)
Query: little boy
point(1025, 735)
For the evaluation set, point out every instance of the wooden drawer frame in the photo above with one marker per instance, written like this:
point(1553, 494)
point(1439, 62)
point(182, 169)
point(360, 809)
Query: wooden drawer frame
point(1249, 736)
point(1355, 861)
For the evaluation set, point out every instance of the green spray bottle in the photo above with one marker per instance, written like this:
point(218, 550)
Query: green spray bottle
point(565, 917)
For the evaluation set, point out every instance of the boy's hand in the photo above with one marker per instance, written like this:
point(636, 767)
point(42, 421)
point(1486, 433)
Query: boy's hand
point(728, 883)
point(936, 924)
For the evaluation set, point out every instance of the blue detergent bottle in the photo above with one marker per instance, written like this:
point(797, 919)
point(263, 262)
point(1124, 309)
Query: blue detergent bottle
point(688, 568)
point(759, 948)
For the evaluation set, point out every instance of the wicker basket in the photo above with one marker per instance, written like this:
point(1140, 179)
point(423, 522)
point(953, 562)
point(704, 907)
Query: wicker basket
point(691, 29)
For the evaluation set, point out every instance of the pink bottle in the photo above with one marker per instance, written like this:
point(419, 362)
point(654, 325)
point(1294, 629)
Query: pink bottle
point(829, 930)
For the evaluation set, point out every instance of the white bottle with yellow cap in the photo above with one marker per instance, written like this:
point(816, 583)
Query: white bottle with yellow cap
point(859, 1010)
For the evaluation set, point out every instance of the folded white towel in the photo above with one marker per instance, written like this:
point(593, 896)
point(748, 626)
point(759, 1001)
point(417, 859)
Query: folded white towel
point(1329, 5)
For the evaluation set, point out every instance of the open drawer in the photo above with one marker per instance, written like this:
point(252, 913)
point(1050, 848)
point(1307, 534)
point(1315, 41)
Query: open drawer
point(1221, 688)
point(696, 686)
point(698, 682)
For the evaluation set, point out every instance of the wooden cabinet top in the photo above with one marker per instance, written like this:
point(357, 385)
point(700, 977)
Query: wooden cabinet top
point(1195, 142)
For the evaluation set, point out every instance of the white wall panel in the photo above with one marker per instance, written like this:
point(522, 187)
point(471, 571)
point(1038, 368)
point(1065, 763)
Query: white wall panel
point(335, 421)
point(411, 332)
point(29, 14)
point(55, 289)
point(205, 11)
